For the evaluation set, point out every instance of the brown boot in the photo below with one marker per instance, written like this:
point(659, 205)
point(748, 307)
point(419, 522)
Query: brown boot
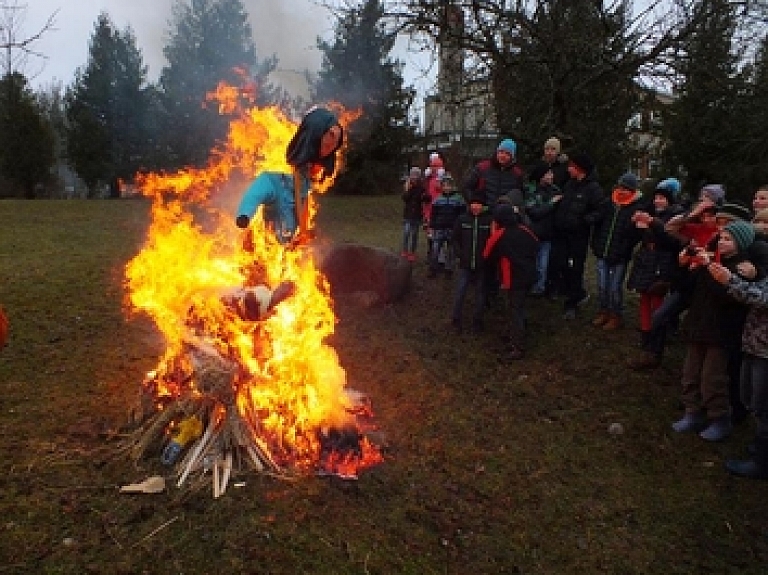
point(645, 361)
point(600, 319)
point(614, 322)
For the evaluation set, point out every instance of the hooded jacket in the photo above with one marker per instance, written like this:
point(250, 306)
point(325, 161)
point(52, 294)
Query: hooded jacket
point(615, 235)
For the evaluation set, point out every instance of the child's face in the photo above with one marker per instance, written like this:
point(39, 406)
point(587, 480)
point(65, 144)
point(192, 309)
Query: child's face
point(761, 225)
point(550, 153)
point(475, 208)
point(725, 244)
point(760, 201)
point(660, 202)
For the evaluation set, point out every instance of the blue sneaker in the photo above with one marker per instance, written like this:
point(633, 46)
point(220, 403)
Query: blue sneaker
point(691, 421)
point(718, 429)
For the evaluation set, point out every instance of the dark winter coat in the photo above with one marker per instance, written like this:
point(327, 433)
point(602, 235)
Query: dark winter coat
point(655, 261)
point(577, 211)
point(615, 235)
point(470, 235)
point(493, 180)
point(714, 317)
point(446, 209)
point(559, 170)
point(414, 199)
point(515, 244)
point(541, 211)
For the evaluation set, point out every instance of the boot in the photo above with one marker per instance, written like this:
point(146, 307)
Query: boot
point(718, 429)
point(614, 322)
point(601, 317)
point(691, 421)
point(755, 468)
point(645, 361)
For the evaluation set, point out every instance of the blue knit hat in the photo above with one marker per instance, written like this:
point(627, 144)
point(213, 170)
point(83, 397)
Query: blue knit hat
point(508, 145)
point(672, 185)
point(743, 234)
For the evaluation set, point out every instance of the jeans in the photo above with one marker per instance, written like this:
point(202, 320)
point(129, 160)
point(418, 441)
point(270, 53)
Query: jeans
point(411, 235)
point(610, 285)
point(542, 263)
point(466, 278)
point(441, 238)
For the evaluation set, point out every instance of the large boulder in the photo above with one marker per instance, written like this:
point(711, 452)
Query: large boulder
point(365, 274)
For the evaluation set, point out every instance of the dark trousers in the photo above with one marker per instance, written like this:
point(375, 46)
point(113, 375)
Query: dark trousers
point(469, 277)
point(569, 254)
point(754, 390)
point(516, 307)
point(671, 307)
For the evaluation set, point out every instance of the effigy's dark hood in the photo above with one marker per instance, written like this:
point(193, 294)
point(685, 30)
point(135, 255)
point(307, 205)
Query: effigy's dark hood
point(304, 147)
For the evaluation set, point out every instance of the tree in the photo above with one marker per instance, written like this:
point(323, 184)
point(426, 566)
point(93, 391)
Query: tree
point(17, 47)
point(26, 138)
point(700, 124)
point(106, 109)
point(210, 41)
point(358, 72)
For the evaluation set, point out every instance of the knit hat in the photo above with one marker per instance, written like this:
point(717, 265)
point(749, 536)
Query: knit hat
point(538, 172)
point(734, 211)
point(508, 146)
point(435, 160)
point(583, 162)
point(714, 192)
point(553, 143)
point(628, 181)
point(743, 234)
point(415, 172)
point(668, 188)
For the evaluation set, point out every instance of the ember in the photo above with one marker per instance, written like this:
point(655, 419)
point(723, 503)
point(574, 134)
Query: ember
point(246, 380)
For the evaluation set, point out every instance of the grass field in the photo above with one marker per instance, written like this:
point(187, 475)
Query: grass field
point(491, 467)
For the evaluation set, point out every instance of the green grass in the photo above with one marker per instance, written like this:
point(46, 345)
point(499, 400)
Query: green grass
point(491, 467)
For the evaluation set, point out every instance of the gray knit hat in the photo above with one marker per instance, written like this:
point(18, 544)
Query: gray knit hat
point(743, 234)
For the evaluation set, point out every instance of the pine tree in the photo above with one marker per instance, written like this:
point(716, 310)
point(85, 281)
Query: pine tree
point(106, 109)
point(26, 138)
point(358, 72)
point(699, 125)
point(210, 41)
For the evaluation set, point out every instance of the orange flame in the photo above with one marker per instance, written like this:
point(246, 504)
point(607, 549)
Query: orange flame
point(289, 383)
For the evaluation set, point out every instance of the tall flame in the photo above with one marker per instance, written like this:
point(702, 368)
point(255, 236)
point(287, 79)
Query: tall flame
point(289, 385)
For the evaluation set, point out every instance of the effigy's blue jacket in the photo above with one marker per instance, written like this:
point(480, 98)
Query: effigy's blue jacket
point(274, 190)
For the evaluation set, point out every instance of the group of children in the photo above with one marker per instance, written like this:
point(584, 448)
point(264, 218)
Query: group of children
point(707, 264)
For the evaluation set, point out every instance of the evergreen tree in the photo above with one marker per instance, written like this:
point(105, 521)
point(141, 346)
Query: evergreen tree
point(26, 138)
point(358, 72)
point(106, 109)
point(750, 121)
point(700, 124)
point(210, 42)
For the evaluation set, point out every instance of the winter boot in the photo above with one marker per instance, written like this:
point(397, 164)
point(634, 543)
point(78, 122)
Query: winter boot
point(645, 361)
point(614, 322)
point(718, 429)
point(691, 421)
point(600, 319)
point(755, 468)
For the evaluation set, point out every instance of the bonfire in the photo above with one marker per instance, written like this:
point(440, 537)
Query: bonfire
point(247, 380)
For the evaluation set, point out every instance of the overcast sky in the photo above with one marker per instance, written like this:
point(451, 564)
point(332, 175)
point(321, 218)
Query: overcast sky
point(287, 28)
point(66, 47)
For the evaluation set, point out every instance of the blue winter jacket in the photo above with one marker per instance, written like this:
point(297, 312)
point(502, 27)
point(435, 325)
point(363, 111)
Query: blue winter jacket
point(274, 190)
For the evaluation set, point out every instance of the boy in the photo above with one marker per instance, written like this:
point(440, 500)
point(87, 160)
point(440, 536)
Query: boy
point(446, 209)
point(470, 235)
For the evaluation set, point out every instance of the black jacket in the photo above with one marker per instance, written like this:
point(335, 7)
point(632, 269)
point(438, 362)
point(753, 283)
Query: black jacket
point(494, 180)
point(615, 235)
point(541, 211)
point(656, 258)
point(469, 237)
point(577, 211)
point(414, 197)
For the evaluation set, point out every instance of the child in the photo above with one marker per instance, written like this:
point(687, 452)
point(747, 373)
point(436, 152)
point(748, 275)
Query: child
point(414, 198)
point(613, 240)
point(754, 366)
point(653, 269)
point(540, 208)
point(432, 175)
point(513, 246)
point(713, 320)
point(760, 200)
point(760, 221)
point(470, 235)
point(446, 209)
